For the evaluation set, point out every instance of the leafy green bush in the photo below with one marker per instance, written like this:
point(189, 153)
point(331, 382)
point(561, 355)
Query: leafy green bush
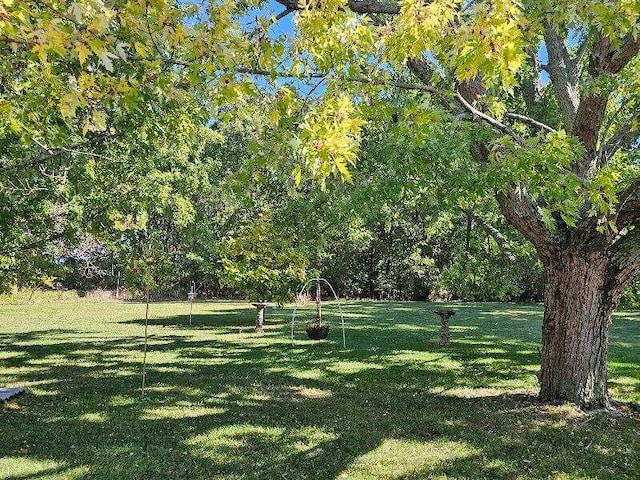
point(480, 279)
point(262, 263)
point(631, 298)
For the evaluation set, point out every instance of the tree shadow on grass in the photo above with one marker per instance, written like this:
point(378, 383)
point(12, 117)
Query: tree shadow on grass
point(229, 319)
point(244, 409)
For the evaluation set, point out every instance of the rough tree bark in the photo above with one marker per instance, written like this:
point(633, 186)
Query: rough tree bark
point(586, 273)
point(584, 284)
point(578, 307)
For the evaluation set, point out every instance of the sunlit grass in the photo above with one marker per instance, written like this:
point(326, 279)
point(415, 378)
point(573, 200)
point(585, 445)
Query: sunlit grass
point(224, 402)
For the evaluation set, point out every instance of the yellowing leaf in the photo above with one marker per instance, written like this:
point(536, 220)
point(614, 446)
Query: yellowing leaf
point(98, 23)
point(41, 51)
point(90, 168)
point(97, 46)
point(83, 52)
point(178, 35)
point(140, 49)
point(344, 170)
point(297, 175)
point(99, 119)
point(275, 117)
point(68, 105)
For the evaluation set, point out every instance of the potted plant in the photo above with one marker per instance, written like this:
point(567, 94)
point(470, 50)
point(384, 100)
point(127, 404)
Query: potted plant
point(318, 330)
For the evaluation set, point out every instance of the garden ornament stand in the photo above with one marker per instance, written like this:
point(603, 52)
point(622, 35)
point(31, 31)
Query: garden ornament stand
point(191, 296)
point(260, 308)
point(445, 335)
point(317, 329)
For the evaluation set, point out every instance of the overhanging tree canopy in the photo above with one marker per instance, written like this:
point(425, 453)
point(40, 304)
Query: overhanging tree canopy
point(553, 87)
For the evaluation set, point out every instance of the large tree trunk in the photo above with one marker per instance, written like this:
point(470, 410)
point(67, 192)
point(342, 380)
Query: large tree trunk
point(586, 274)
point(580, 297)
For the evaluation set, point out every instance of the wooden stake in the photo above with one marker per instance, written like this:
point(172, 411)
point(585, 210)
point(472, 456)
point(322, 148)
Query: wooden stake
point(146, 328)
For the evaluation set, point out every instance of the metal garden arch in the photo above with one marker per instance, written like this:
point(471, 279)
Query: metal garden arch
point(295, 309)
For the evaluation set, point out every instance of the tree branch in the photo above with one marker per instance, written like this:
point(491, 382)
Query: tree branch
point(34, 244)
point(501, 127)
point(629, 206)
point(583, 49)
point(283, 13)
point(424, 71)
point(358, 6)
point(17, 41)
point(532, 85)
point(41, 242)
point(624, 136)
point(530, 120)
point(496, 235)
point(604, 60)
point(563, 73)
point(52, 152)
point(618, 59)
point(520, 211)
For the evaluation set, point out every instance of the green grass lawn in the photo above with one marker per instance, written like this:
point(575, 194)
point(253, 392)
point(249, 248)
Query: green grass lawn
point(223, 402)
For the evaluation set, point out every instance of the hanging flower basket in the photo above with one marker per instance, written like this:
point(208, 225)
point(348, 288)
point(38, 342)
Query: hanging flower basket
point(318, 332)
point(315, 327)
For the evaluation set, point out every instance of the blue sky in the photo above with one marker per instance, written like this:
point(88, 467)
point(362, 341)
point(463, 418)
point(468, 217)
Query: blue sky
point(271, 9)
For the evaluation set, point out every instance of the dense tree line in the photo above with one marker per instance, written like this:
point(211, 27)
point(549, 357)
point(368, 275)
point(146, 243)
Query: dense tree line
point(379, 240)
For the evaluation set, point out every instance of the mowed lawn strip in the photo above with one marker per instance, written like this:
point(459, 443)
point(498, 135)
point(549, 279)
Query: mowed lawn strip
point(223, 402)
